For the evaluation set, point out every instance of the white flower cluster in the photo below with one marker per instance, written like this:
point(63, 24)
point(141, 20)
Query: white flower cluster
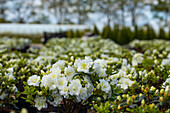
point(124, 80)
point(9, 74)
point(137, 58)
point(63, 84)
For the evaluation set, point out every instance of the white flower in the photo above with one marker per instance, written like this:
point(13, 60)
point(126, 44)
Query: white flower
point(90, 89)
point(55, 70)
point(10, 70)
point(59, 63)
point(69, 72)
point(84, 65)
point(82, 95)
point(3, 95)
point(75, 87)
point(62, 82)
point(76, 62)
point(102, 72)
point(105, 86)
point(167, 81)
point(113, 80)
point(165, 62)
point(88, 59)
point(125, 82)
point(57, 98)
point(137, 58)
point(64, 92)
point(9, 74)
point(124, 63)
point(100, 62)
point(124, 86)
point(121, 73)
point(34, 80)
point(40, 102)
point(168, 56)
point(49, 82)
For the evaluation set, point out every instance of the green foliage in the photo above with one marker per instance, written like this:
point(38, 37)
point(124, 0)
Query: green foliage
point(103, 107)
point(70, 34)
point(95, 30)
point(162, 34)
point(106, 32)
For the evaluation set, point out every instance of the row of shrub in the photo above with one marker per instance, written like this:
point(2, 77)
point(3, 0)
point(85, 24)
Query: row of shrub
point(126, 34)
point(118, 34)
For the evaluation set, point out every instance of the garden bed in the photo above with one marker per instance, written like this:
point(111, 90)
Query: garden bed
point(92, 75)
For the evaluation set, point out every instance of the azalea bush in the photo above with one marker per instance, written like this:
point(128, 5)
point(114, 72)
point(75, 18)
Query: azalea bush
point(14, 43)
point(73, 84)
point(92, 75)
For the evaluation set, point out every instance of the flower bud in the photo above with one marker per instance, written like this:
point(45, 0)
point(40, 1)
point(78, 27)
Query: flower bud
point(12, 112)
point(124, 96)
point(160, 56)
point(134, 97)
point(99, 86)
point(42, 72)
point(132, 71)
point(161, 91)
point(98, 99)
point(161, 98)
point(152, 88)
point(119, 107)
point(24, 110)
point(135, 77)
point(130, 76)
point(140, 73)
point(146, 75)
point(135, 82)
point(129, 100)
point(152, 106)
point(143, 102)
point(156, 91)
point(39, 93)
point(72, 58)
point(105, 97)
point(119, 98)
point(167, 89)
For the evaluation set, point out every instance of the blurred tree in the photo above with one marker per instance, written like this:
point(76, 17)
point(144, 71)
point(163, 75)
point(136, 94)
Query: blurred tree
point(150, 33)
point(161, 10)
point(134, 7)
point(70, 34)
point(20, 11)
point(95, 30)
point(58, 8)
point(115, 32)
point(106, 32)
point(81, 8)
point(107, 8)
point(140, 34)
point(162, 34)
point(122, 7)
point(2, 8)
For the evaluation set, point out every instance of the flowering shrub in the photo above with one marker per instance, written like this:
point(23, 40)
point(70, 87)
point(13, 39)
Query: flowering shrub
point(13, 43)
point(93, 75)
point(79, 82)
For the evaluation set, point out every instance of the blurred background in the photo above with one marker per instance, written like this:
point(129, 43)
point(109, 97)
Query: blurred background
point(119, 20)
